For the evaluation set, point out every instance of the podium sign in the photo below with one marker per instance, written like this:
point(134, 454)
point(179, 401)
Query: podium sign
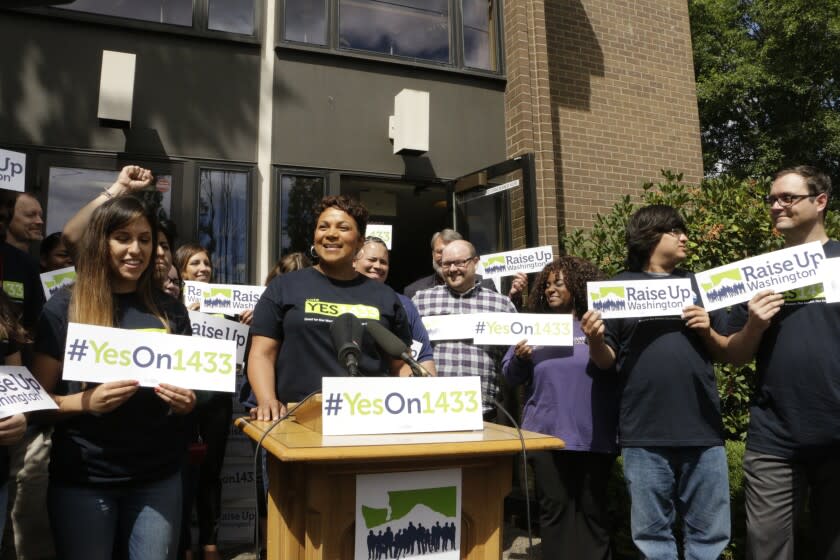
point(400, 405)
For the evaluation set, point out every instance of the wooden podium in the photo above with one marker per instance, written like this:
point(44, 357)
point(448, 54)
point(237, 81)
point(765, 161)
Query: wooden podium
point(312, 481)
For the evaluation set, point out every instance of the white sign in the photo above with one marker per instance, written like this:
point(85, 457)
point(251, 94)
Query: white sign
point(21, 392)
point(209, 326)
point(400, 405)
point(640, 298)
point(101, 354)
point(192, 292)
point(541, 329)
point(450, 327)
point(12, 170)
point(512, 262)
point(57, 279)
point(830, 274)
point(786, 269)
point(409, 515)
point(384, 232)
point(229, 299)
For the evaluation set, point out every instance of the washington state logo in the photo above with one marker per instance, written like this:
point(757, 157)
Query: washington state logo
point(401, 531)
point(724, 285)
point(609, 298)
point(494, 265)
point(59, 281)
point(216, 298)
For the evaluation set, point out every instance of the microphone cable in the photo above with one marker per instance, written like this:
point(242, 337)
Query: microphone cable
point(257, 470)
point(525, 477)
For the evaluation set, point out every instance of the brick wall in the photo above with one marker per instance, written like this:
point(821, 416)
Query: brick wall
point(602, 91)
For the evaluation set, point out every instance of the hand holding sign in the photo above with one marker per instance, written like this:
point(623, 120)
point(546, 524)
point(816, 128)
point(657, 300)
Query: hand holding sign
point(109, 396)
point(12, 429)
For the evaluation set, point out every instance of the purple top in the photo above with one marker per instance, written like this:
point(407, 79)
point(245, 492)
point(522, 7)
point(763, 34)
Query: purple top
point(568, 397)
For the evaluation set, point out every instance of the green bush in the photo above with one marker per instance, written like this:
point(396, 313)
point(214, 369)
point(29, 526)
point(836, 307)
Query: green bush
point(727, 221)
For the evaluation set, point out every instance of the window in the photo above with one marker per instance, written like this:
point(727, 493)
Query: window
point(298, 196)
point(458, 33)
point(233, 17)
point(408, 28)
point(225, 16)
point(224, 211)
point(173, 12)
point(479, 37)
point(70, 188)
point(306, 21)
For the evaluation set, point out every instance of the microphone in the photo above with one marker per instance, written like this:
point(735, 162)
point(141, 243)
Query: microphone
point(346, 332)
point(396, 348)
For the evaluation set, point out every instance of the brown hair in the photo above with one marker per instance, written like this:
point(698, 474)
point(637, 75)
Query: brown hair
point(288, 263)
point(92, 300)
point(187, 251)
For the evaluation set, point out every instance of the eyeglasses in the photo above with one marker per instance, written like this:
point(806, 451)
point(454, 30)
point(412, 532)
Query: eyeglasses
point(460, 265)
point(786, 200)
point(676, 232)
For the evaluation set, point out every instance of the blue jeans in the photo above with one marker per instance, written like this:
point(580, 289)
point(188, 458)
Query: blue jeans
point(136, 522)
point(691, 481)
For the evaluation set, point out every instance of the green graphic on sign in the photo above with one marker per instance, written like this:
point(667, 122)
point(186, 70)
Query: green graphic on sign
point(442, 500)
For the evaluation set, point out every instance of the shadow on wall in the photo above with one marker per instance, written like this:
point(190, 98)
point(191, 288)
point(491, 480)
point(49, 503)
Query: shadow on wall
point(192, 97)
point(575, 57)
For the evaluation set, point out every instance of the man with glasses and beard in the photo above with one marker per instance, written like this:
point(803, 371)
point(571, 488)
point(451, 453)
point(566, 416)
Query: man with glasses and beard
point(462, 294)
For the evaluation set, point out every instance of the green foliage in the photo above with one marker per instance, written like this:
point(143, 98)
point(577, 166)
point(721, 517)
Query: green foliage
point(727, 221)
point(768, 84)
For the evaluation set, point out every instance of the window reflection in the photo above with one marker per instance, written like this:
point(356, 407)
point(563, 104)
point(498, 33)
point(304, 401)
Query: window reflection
point(70, 188)
point(233, 17)
point(410, 28)
point(175, 12)
point(223, 215)
point(298, 196)
point(305, 21)
point(479, 41)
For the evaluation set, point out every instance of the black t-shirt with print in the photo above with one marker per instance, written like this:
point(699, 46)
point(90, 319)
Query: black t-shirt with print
point(297, 310)
point(21, 282)
point(795, 411)
point(138, 441)
point(670, 396)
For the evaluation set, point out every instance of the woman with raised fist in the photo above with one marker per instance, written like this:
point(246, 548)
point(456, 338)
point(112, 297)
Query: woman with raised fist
point(118, 448)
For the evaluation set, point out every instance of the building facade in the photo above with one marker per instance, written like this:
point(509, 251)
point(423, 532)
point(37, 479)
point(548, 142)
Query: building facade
point(540, 113)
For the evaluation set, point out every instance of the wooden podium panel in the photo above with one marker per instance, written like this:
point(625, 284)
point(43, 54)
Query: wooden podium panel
point(312, 482)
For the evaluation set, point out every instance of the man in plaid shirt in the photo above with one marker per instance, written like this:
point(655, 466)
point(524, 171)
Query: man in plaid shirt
point(461, 294)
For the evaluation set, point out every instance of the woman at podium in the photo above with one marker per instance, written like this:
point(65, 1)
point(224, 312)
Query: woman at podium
point(291, 349)
point(568, 397)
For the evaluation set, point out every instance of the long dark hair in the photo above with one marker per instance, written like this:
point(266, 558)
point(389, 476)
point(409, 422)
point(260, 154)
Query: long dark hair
point(576, 273)
point(92, 301)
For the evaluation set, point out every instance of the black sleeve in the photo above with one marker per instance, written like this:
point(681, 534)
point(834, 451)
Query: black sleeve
point(401, 327)
point(268, 313)
point(51, 331)
point(737, 319)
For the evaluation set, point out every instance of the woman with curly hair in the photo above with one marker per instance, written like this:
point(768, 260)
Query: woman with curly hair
point(568, 397)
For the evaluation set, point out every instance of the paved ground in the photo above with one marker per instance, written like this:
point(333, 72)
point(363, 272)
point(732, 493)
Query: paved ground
point(515, 543)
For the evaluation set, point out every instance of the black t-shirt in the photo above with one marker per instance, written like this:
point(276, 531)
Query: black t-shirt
point(670, 396)
point(136, 442)
point(21, 282)
point(796, 408)
point(297, 310)
point(7, 348)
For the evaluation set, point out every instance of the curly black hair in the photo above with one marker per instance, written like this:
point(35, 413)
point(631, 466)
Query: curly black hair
point(350, 206)
point(576, 273)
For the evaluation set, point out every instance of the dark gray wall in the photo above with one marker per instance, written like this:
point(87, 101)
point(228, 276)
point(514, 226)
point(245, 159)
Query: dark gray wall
point(193, 97)
point(332, 112)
